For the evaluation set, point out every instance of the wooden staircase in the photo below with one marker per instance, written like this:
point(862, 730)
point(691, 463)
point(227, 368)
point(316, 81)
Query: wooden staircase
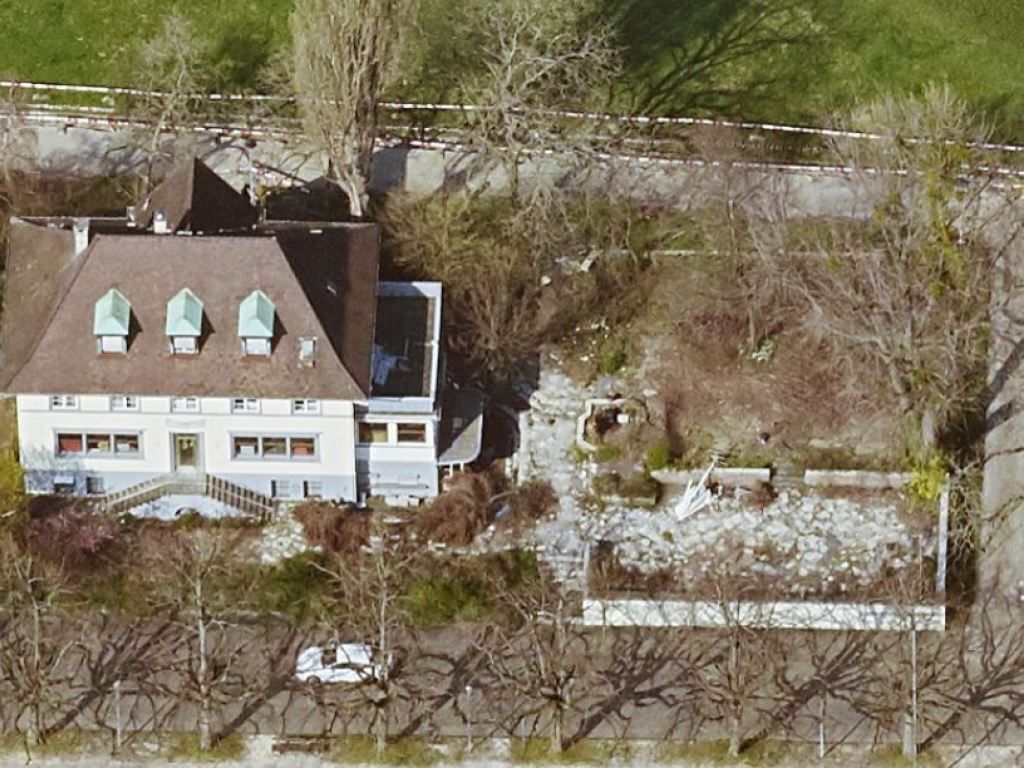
point(247, 501)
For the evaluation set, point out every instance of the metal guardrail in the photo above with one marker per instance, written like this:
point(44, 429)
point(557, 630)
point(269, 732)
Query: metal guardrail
point(200, 484)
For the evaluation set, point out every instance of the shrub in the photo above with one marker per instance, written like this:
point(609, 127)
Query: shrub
point(658, 456)
point(333, 528)
point(72, 536)
point(12, 483)
point(611, 359)
point(293, 586)
point(458, 515)
point(447, 597)
point(529, 503)
point(927, 479)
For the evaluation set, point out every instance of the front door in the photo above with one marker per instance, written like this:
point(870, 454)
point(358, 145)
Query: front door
point(186, 452)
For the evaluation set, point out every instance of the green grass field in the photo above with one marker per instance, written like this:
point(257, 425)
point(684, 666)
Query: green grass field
point(800, 63)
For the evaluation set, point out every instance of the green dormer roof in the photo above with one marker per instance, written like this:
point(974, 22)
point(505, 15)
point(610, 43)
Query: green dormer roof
point(111, 314)
point(184, 314)
point(256, 316)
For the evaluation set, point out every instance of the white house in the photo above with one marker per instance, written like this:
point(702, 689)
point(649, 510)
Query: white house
point(192, 354)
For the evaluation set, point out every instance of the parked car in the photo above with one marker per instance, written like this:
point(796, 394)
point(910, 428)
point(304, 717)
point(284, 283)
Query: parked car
point(341, 663)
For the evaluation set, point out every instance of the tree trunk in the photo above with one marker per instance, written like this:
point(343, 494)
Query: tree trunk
point(353, 185)
point(205, 734)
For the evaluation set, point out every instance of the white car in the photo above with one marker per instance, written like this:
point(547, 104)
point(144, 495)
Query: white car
point(340, 663)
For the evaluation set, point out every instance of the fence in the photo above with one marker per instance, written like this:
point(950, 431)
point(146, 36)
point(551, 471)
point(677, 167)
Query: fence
point(444, 125)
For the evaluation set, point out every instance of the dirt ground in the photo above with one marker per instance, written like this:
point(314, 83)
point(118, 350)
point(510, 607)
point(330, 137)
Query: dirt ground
point(794, 405)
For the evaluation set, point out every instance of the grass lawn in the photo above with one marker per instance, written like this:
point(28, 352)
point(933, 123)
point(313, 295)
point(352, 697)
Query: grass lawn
point(804, 59)
point(91, 41)
point(785, 60)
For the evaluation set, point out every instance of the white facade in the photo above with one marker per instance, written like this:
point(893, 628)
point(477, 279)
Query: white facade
point(287, 449)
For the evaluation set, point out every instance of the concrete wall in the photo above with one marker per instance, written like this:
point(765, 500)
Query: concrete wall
point(775, 615)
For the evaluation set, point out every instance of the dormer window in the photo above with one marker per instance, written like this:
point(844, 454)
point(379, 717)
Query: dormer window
point(256, 324)
point(111, 322)
point(184, 322)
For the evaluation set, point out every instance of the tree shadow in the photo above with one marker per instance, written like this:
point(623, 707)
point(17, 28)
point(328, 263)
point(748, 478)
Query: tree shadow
point(241, 55)
point(718, 56)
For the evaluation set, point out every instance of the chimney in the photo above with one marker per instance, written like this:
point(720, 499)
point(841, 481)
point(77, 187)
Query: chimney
point(159, 223)
point(81, 229)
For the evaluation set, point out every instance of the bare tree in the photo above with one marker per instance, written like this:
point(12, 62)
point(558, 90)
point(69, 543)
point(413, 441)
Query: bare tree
point(907, 292)
point(537, 660)
point(35, 645)
point(539, 56)
point(369, 606)
point(344, 56)
point(173, 63)
point(192, 573)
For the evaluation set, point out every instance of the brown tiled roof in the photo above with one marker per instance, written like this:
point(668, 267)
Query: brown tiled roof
point(38, 270)
point(322, 285)
point(195, 199)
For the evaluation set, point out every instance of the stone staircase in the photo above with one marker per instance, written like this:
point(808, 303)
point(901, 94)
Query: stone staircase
point(247, 501)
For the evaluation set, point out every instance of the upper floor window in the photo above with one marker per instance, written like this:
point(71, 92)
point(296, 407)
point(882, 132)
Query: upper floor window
point(245, 405)
point(373, 432)
point(256, 347)
point(63, 402)
point(185, 404)
point(111, 322)
point(412, 433)
point(306, 405)
point(124, 403)
point(256, 318)
point(184, 345)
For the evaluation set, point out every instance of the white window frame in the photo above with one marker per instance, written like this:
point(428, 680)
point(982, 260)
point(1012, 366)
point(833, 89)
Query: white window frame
point(113, 345)
point(184, 345)
point(260, 455)
point(255, 346)
point(388, 440)
point(313, 489)
point(111, 434)
point(426, 433)
point(185, 404)
point(63, 402)
point(306, 406)
point(286, 488)
point(91, 480)
point(124, 402)
point(245, 405)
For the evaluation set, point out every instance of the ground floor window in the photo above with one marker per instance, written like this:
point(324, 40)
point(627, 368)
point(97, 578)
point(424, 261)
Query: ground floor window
point(94, 485)
point(286, 489)
point(273, 447)
point(121, 444)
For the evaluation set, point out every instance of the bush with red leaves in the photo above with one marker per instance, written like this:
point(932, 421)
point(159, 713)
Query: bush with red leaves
point(72, 536)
